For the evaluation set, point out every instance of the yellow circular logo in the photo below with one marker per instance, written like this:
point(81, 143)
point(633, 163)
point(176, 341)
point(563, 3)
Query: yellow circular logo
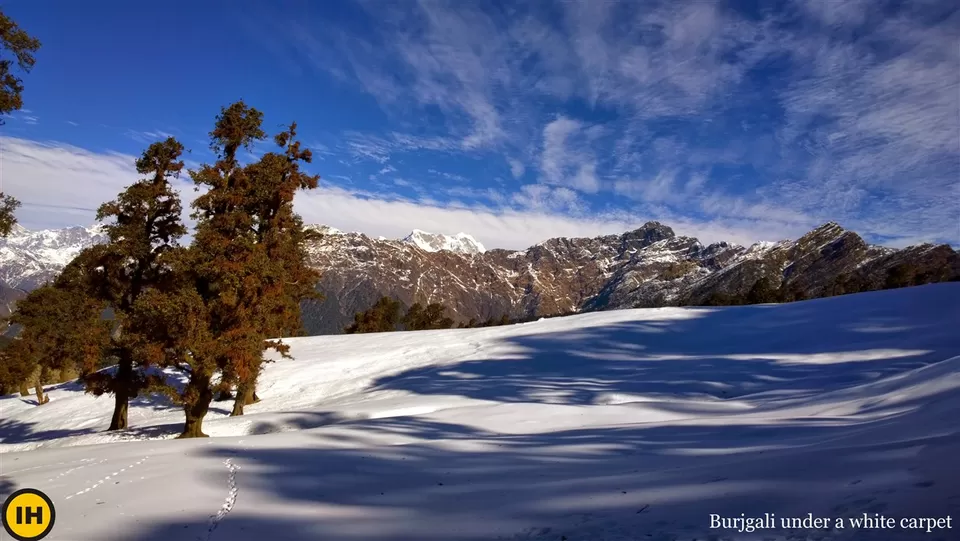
point(28, 514)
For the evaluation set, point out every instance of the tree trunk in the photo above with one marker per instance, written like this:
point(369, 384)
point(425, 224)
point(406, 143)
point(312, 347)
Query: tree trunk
point(121, 395)
point(24, 388)
point(41, 398)
point(120, 406)
point(246, 395)
point(197, 408)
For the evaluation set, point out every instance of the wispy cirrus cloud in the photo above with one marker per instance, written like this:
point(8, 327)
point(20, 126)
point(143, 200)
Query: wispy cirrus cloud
point(376, 148)
point(148, 136)
point(62, 185)
point(751, 121)
point(564, 162)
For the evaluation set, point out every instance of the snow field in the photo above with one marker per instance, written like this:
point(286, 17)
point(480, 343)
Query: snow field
point(611, 426)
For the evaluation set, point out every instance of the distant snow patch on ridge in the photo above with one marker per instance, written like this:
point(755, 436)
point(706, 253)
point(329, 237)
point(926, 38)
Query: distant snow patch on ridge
point(434, 242)
point(324, 229)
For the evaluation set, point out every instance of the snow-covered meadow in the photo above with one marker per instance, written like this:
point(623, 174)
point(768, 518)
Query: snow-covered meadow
point(612, 426)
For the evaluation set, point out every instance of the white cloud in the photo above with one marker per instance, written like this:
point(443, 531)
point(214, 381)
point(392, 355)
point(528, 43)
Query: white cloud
point(517, 169)
point(449, 176)
point(658, 189)
point(62, 185)
point(368, 147)
point(565, 163)
point(869, 97)
point(541, 198)
point(857, 120)
point(147, 137)
point(881, 124)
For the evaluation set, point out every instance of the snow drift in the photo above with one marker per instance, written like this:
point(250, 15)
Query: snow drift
point(621, 425)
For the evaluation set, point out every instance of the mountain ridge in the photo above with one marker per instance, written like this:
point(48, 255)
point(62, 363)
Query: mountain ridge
point(649, 266)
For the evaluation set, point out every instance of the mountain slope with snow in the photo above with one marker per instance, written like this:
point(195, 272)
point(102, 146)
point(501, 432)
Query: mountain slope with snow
point(30, 258)
point(609, 426)
point(434, 242)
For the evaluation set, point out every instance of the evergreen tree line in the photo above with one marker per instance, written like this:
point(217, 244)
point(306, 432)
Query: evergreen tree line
point(387, 315)
point(123, 311)
point(767, 290)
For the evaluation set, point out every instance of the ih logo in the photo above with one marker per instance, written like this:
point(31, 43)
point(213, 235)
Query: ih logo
point(28, 515)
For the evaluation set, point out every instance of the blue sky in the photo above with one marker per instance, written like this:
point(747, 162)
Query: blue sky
point(518, 121)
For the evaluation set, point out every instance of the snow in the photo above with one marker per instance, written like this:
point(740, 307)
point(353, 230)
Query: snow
point(28, 258)
point(324, 229)
point(610, 426)
point(434, 242)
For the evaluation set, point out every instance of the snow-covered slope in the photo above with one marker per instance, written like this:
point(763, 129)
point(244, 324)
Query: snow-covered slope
point(434, 242)
point(610, 426)
point(30, 258)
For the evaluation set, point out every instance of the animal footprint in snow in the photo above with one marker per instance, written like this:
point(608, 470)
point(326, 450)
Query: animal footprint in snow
point(107, 478)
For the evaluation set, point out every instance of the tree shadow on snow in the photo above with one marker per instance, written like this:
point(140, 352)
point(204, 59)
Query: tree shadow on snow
point(15, 431)
point(796, 350)
point(291, 421)
point(7, 487)
point(434, 480)
point(455, 481)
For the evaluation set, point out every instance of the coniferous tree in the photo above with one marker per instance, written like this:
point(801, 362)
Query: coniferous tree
point(383, 316)
point(16, 369)
point(60, 329)
point(144, 224)
point(287, 278)
point(901, 275)
point(224, 269)
point(792, 292)
point(16, 42)
point(22, 46)
point(420, 318)
point(238, 280)
point(8, 206)
point(762, 292)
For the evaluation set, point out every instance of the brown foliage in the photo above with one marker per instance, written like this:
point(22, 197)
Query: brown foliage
point(241, 280)
point(60, 329)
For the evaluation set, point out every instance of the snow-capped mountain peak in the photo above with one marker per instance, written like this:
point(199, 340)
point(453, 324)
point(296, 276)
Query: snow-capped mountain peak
point(435, 242)
point(323, 229)
point(30, 258)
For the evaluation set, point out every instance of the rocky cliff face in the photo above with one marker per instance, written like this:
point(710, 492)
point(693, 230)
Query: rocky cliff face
point(648, 267)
